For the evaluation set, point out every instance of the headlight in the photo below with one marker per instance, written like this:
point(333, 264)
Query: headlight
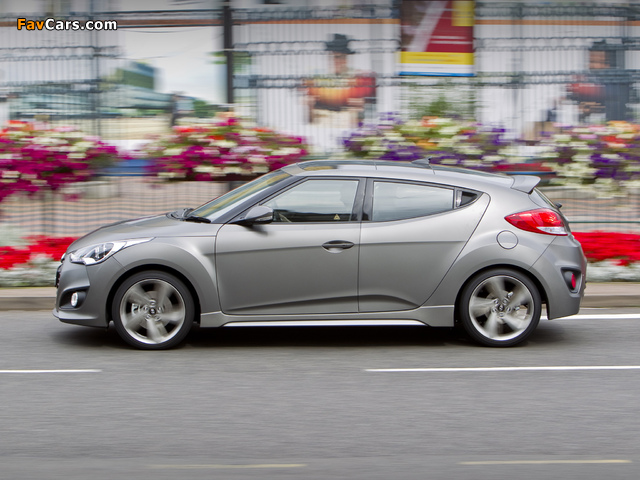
point(99, 253)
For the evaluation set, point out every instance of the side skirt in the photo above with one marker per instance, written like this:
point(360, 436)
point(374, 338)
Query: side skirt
point(434, 316)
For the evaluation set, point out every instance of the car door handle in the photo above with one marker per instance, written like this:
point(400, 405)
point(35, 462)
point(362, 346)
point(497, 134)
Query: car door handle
point(337, 245)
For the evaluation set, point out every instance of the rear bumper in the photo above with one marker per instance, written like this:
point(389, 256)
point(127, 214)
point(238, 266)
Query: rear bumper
point(563, 254)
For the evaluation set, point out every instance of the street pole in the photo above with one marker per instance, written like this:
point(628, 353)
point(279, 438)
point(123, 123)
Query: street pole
point(227, 26)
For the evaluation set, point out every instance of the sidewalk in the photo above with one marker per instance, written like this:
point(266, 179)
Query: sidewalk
point(622, 294)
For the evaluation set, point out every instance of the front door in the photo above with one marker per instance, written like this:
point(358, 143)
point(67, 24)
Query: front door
point(305, 262)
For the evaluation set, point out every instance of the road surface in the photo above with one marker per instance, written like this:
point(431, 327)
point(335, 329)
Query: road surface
point(311, 403)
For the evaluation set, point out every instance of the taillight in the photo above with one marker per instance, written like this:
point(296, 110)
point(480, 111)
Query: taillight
point(541, 220)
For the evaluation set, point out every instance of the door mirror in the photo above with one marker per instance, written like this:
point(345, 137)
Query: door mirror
point(257, 214)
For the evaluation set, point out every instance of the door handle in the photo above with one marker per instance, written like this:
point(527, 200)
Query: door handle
point(335, 246)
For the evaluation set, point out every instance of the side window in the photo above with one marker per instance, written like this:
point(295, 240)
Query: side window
point(397, 201)
point(316, 201)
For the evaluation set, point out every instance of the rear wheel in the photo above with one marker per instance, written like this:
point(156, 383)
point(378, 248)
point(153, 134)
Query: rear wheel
point(153, 310)
point(500, 308)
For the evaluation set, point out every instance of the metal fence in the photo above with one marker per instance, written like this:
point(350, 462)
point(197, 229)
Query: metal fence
point(535, 65)
point(112, 199)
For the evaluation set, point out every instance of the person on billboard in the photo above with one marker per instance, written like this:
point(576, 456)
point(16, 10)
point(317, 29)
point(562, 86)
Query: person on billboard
point(339, 98)
point(605, 90)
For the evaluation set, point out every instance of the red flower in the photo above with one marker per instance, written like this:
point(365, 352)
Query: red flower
point(623, 248)
point(39, 245)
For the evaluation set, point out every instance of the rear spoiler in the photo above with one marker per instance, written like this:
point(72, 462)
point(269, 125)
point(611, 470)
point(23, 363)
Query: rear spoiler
point(525, 183)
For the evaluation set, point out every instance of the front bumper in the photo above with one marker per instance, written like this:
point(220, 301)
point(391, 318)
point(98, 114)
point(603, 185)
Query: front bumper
point(93, 284)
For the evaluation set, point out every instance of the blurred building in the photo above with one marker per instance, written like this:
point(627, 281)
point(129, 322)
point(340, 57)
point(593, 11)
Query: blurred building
point(131, 92)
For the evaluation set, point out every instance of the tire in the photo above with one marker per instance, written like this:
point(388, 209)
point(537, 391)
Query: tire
point(500, 308)
point(153, 310)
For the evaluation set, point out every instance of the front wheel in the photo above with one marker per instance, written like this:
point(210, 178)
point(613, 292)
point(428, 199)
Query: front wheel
point(500, 308)
point(153, 310)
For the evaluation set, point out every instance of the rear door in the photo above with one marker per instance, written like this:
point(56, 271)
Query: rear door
point(411, 236)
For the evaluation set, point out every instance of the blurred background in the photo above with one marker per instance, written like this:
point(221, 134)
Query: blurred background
point(545, 88)
point(513, 64)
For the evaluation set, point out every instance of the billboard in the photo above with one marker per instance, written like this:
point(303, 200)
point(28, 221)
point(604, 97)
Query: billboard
point(437, 38)
point(338, 97)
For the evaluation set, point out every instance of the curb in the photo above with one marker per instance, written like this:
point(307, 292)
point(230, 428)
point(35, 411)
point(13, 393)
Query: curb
point(28, 304)
point(610, 301)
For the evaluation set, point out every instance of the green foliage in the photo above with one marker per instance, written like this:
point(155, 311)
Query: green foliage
point(202, 109)
point(446, 100)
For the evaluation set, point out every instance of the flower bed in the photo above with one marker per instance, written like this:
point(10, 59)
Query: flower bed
point(612, 256)
point(444, 140)
point(224, 150)
point(33, 158)
point(623, 249)
point(34, 264)
point(602, 158)
point(38, 246)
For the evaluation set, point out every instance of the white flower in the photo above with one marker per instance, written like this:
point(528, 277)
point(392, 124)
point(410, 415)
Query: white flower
point(204, 169)
point(286, 151)
point(576, 170)
point(447, 142)
point(257, 159)
point(224, 143)
point(469, 149)
point(580, 146)
point(562, 137)
point(451, 130)
point(581, 158)
point(471, 162)
point(171, 152)
point(440, 121)
point(82, 146)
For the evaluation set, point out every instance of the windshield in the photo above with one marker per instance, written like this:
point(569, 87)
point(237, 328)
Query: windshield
point(224, 203)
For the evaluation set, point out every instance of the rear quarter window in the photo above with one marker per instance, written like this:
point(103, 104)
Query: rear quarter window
point(399, 201)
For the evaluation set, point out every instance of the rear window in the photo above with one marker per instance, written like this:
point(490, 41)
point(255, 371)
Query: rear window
point(541, 199)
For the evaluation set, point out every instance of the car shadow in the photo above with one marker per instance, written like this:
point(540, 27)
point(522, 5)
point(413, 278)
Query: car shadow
point(323, 337)
point(310, 337)
point(80, 336)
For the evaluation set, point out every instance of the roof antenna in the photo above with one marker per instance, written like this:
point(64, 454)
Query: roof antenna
point(424, 162)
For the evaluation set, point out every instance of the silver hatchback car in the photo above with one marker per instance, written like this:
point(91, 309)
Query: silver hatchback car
point(334, 243)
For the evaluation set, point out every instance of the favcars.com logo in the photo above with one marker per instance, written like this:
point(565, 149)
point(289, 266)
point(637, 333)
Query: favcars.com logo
point(53, 24)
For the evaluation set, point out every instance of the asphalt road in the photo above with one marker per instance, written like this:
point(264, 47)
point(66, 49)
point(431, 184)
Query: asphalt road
point(308, 403)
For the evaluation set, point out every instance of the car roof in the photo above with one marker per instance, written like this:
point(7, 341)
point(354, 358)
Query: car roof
point(418, 170)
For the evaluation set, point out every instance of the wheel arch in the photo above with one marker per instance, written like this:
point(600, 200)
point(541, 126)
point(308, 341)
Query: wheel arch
point(523, 271)
point(157, 267)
